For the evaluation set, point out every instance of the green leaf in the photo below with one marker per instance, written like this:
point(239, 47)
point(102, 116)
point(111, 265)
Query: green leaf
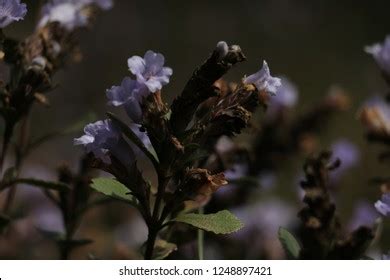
point(55, 186)
point(289, 243)
point(223, 222)
point(134, 138)
point(163, 249)
point(114, 189)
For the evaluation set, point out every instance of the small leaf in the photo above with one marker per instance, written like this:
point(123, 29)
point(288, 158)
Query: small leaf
point(126, 130)
point(223, 222)
point(163, 249)
point(56, 186)
point(289, 243)
point(114, 189)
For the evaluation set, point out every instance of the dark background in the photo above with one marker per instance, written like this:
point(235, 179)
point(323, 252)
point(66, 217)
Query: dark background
point(316, 44)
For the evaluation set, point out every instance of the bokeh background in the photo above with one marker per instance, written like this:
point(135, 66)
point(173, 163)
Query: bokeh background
point(316, 44)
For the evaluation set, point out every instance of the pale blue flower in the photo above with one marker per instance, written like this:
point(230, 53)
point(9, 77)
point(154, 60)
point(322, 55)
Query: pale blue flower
point(150, 70)
point(10, 11)
point(70, 14)
point(103, 139)
point(349, 155)
point(381, 54)
point(236, 172)
point(286, 94)
point(383, 205)
point(263, 80)
point(386, 257)
point(129, 95)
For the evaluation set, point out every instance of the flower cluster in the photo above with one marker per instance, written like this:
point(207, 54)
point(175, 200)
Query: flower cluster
point(151, 76)
point(171, 137)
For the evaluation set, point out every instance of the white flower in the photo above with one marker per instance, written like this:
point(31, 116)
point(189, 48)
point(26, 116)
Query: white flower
point(381, 54)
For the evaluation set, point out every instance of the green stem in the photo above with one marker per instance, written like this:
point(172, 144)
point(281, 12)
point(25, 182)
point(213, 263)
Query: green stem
point(201, 239)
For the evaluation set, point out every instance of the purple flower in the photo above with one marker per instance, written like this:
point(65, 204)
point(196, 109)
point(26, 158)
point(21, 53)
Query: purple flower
point(286, 94)
point(364, 215)
point(386, 257)
point(236, 172)
point(129, 95)
point(381, 54)
point(103, 139)
point(349, 155)
point(383, 205)
point(10, 11)
point(70, 14)
point(150, 70)
point(263, 80)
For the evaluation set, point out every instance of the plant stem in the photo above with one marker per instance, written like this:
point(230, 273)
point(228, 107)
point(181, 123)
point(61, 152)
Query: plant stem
point(155, 223)
point(200, 239)
point(22, 141)
point(9, 128)
point(150, 243)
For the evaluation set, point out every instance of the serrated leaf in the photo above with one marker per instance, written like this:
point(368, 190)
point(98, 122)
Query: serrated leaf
point(222, 222)
point(289, 243)
point(126, 130)
point(163, 249)
point(114, 189)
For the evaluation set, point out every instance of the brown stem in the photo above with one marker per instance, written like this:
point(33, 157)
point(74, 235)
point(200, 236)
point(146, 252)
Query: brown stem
point(9, 128)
